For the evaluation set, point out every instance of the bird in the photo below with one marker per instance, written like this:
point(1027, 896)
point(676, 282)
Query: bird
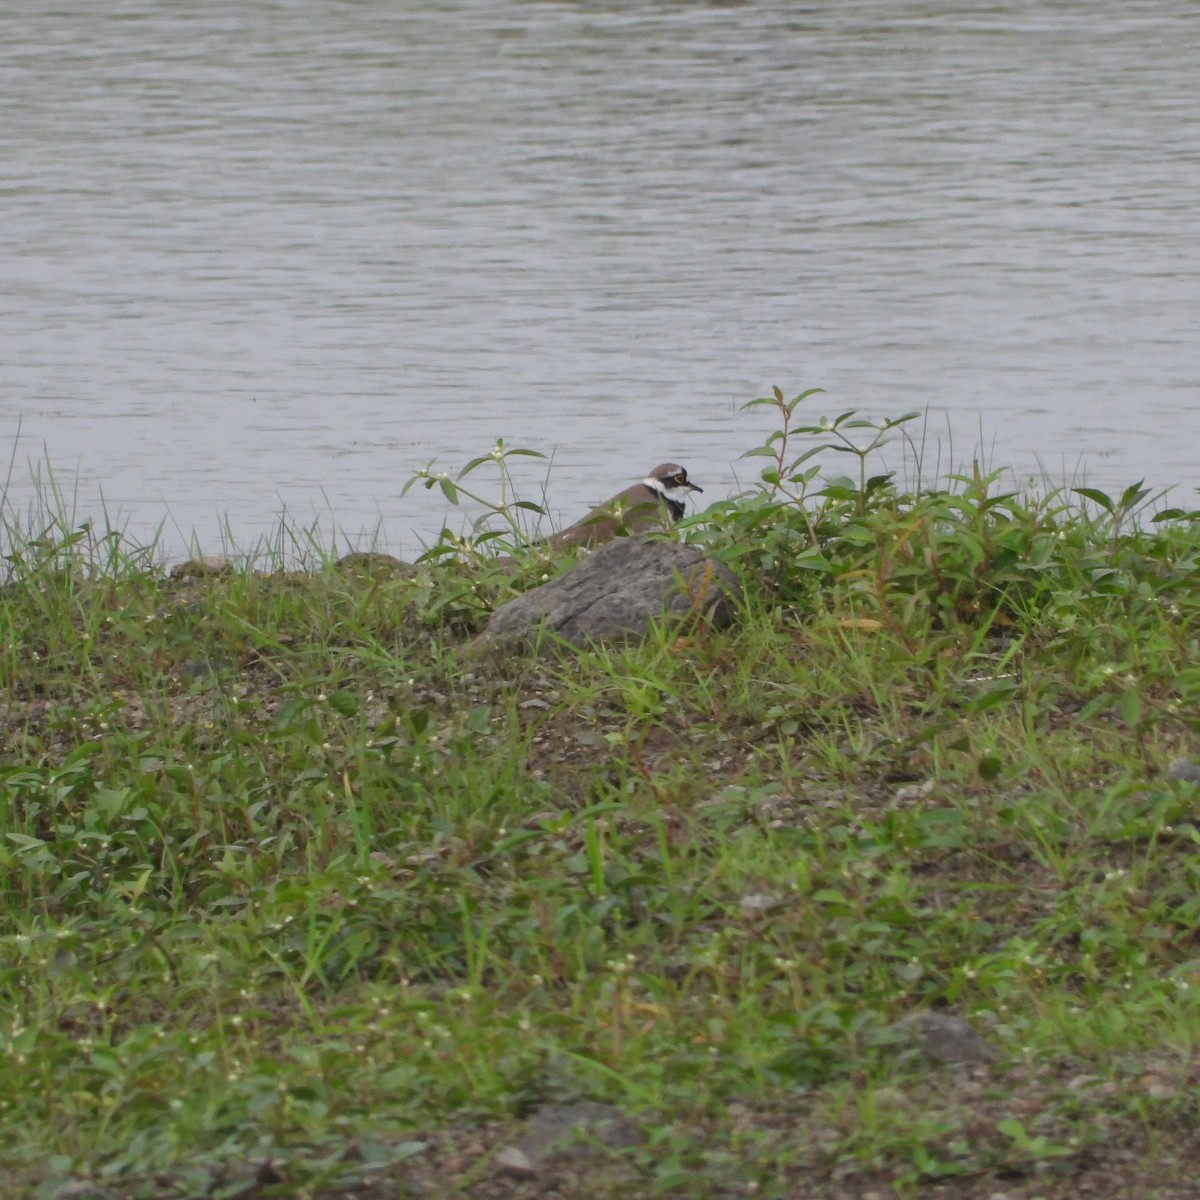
point(660, 499)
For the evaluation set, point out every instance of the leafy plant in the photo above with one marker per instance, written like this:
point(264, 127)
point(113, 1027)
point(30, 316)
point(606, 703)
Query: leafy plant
point(506, 505)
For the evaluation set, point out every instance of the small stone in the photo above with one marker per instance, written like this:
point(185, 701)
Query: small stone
point(758, 903)
point(374, 562)
point(81, 1189)
point(947, 1038)
point(205, 567)
point(913, 792)
point(199, 668)
point(1183, 770)
point(890, 1099)
point(574, 1131)
point(1157, 1087)
point(514, 1159)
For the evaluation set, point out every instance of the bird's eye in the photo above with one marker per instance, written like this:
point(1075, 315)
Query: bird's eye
point(679, 480)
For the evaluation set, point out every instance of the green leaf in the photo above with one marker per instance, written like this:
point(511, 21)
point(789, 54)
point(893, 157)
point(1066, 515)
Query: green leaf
point(989, 767)
point(812, 560)
point(800, 398)
point(480, 718)
point(1187, 683)
point(1131, 709)
point(292, 709)
point(840, 489)
point(419, 477)
point(25, 841)
point(1134, 494)
point(1097, 704)
point(1098, 496)
point(343, 703)
point(998, 693)
point(515, 840)
point(1013, 1128)
point(770, 401)
point(475, 462)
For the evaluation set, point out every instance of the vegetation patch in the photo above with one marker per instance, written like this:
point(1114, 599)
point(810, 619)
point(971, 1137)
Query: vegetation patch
point(299, 898)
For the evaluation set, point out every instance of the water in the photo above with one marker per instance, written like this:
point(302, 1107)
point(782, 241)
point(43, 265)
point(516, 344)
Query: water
point(275, 257)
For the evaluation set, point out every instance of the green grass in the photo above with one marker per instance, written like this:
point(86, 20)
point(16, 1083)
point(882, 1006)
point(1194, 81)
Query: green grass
point(299, 899)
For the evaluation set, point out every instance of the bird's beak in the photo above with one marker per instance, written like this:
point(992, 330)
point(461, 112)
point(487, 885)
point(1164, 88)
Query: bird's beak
point(694, 487)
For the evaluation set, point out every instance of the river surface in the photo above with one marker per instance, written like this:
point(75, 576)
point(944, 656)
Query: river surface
point(271, 258)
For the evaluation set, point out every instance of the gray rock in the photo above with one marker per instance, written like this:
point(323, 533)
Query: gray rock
point(946, 1038)
point(568, 1130)
point(1184, 771)
point(614, 595)
point(207, 566)
point(374, 562)
point(200, 668)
